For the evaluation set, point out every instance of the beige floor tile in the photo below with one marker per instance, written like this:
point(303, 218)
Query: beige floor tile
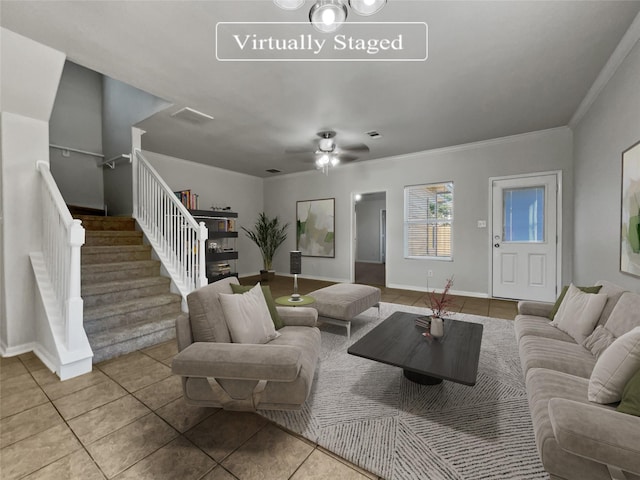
point(222, 433)
point(108, 418)
point(32, 362)
point(160, 393)
point(370, 475)
point(167, 361)
point(163, 351)
point(218, 473)
point(181, 416)
point(125, 363)
point(140, 373)
point(37, 451)
point(45, 376)
point(28, 423)
point(269, 454)
point(178, 459)
point(12, 385)
point(320, 466)
point(125, 447)
point(87, 399)
point(59, 389)
point(77, 466)
point(11, 367)
point(12, 403)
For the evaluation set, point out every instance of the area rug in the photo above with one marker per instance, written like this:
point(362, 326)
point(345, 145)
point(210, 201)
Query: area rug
point(369, 414)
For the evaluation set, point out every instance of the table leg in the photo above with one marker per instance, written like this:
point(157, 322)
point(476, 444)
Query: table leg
point(421, 378)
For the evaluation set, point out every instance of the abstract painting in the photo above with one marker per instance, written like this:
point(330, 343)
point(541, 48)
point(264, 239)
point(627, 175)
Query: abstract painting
point(630, 212)
point(315, 227)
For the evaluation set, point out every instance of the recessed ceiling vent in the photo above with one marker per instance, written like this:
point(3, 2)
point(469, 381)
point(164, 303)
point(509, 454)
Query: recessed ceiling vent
point(192, 116)
point(374, 134)
point(273, 170)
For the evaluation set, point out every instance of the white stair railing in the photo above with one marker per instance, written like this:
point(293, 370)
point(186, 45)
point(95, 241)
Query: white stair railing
point(178, 240)
point(62, 237)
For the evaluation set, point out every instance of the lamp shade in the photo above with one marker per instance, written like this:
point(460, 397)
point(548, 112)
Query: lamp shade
point(295, 262)
point(327, 15)
point(367, 7)
point(289, 4)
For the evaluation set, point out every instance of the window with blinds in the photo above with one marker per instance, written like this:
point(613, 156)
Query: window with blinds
point(428, 220)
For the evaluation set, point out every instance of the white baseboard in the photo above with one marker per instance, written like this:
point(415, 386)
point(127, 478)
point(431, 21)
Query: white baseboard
point(377, 262)
point(438, 290)
point(6, 351)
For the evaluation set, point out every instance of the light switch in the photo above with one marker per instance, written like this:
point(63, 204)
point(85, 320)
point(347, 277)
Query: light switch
point(482, 224)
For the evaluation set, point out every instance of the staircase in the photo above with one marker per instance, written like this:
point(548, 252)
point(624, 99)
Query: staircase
point(127, 303)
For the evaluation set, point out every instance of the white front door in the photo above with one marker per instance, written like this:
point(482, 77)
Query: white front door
point(524, 237)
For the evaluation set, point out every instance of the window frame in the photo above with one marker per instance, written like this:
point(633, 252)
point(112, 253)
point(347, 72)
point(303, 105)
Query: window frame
point(427, 222)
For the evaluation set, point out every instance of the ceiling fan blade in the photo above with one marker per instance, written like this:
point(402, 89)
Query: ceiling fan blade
point(298, 150)
point(356, 147)
point(346, 157)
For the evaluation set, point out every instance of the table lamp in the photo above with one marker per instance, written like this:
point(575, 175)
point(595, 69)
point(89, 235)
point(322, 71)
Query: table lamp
point(295, 268)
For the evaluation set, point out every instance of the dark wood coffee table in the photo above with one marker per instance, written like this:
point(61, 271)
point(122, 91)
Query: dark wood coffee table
point(398, 341)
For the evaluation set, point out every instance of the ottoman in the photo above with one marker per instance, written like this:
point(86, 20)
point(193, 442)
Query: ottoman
point(338, 304)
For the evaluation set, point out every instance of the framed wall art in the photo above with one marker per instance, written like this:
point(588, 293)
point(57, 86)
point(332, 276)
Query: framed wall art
point(315, 227)
point(630, 212)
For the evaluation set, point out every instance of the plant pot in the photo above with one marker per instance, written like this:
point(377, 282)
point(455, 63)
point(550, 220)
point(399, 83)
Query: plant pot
point(266, 275)
point(437, 327)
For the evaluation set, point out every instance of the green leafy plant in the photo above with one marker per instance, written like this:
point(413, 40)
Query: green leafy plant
point(441, 303)
point(268, 234)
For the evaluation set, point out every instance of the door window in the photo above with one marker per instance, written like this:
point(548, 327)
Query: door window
point(523, 216)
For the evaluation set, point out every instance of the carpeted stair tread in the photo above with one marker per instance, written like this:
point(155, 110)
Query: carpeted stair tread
point(127, 332)
point(96, 249)
point(138, 304)
point(117, 266)
point(93, 255)
point(97, 223)
point(121, 285)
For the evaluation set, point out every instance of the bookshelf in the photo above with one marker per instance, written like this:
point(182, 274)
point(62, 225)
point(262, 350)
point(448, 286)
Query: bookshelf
point(222, 255)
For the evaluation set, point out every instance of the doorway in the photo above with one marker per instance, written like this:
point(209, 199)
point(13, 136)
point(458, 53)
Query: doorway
point(370, 238)
point(525, 240)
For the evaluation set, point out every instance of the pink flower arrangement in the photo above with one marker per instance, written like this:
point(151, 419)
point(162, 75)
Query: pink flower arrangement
point(441, 303)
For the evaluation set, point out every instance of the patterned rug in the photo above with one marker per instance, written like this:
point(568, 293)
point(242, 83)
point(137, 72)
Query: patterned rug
point(369, 414)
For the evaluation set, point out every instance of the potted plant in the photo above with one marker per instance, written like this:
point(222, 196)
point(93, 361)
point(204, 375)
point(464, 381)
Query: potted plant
point(440, 304)
point(268, 234)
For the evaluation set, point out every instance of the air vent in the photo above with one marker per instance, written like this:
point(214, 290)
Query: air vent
point(192, 116)
point(374, 134)
point(273, 170)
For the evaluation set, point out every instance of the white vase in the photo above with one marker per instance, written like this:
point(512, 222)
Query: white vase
point(437, 327)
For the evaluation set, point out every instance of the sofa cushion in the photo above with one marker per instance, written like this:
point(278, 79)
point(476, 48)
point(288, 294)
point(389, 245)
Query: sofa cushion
point(631, 396)
point(563, 293)
point(615, 367)
point(539, 327)
point(598, 341)
point(542, 386)
point(625, 315)
point(205, 312)
point(266, 290)
point(613, 292)
point(579, 313)
point(248, 317)
point(567, 357)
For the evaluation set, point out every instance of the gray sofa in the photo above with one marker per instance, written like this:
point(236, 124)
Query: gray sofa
point(218, 373)
point(576, 439)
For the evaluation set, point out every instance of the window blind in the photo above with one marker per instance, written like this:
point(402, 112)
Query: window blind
point(429, 220)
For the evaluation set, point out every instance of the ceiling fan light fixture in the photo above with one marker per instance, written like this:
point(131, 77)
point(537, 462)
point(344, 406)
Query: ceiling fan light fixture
point(327, 15)
point(326, 144)
point(334, 160)
point(367, 7)
point(289, 4)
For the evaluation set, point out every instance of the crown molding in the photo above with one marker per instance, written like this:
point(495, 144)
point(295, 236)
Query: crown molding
point(628, 41)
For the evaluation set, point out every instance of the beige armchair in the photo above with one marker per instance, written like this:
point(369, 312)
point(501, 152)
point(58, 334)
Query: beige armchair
point(218, 373)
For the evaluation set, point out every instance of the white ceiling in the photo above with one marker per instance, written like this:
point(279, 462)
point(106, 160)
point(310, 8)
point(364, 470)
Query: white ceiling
point(495, 68)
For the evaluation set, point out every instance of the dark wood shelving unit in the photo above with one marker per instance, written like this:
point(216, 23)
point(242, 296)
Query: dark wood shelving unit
point(222, 251)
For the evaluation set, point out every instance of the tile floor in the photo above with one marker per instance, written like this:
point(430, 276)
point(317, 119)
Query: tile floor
point(127, 420)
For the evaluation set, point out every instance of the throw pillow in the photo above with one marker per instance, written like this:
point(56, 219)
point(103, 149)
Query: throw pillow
point(247, 317)
point(614, 368)
point(266, 291)
point(598, 341)
point(631, 396)
point(579, 313)
point(556, 306)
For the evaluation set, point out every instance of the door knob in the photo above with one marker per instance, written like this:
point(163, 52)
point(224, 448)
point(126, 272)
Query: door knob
point(497, 245)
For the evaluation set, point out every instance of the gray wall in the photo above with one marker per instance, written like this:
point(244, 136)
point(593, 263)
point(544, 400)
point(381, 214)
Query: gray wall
point(468, 166)
point(215, 186)
point(123, 106)
point(368, 228)
point(76, 122)
point(611, 125)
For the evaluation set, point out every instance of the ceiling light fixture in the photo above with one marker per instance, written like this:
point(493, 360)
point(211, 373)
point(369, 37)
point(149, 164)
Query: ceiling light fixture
point(327, 15)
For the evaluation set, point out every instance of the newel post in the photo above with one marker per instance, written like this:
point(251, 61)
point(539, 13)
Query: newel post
point(74, 304)
point(203, 235)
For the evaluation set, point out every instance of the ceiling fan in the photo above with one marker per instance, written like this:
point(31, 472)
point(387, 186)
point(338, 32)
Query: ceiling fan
point(328, 153)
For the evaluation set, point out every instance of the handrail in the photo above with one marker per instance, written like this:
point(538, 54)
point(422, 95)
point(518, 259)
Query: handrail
point(178, 240)
point(75, 150)
point(111, 163)
point(62, 238)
